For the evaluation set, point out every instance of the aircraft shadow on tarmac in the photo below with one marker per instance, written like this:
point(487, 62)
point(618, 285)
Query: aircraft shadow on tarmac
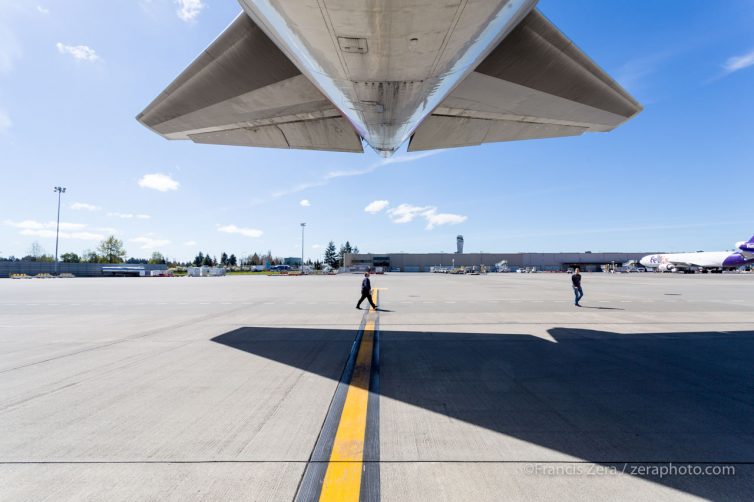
point(602, 397)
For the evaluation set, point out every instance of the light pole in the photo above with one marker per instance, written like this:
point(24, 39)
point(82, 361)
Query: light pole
point(60, 191)
point(303, 225)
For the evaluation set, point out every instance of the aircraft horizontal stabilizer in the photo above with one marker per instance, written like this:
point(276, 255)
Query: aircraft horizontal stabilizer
point(535, 84)
point(242, 90)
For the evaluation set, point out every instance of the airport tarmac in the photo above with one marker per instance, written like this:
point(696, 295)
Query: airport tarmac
point(481, 388)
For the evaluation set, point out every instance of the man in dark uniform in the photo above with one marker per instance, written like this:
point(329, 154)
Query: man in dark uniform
point(366, 292)
point(576, 280)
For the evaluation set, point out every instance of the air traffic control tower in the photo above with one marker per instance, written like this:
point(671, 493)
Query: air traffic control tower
point(459, 244)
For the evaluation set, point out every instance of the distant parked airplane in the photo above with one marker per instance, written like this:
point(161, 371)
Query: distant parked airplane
point(712, 260)
point(327, 74)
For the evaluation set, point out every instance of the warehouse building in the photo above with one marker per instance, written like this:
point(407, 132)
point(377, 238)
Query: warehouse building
point(422, 262)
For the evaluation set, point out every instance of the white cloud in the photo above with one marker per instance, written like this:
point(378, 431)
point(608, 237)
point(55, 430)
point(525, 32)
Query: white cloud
point(246, 232)
point(189, 243)
point(83, 206)
point(736, 63)
point(406, 213)
point(149, 243)
point(188, 10)
point(159, 182)
point(43, 10)
point(82, 236)
point(129, 216)
point(38, 225)
point(79, 52)
point(5, 122)
point(433, 219)
point(316, 246)
point(376, 206)
point(68, 230)
point(305, 203)
point(10, 50)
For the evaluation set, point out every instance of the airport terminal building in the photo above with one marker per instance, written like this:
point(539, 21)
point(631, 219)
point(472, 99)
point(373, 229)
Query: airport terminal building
point(422, 262)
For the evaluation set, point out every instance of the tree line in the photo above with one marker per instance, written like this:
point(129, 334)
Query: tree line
point(336, 259)
point(112, 250)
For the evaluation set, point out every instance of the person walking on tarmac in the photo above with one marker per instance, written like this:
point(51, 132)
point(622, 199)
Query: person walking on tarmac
point(366, 292)
point(577, 291)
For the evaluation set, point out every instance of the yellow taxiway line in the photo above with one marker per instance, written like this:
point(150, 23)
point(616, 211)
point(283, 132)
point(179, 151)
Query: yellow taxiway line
point(343, 477)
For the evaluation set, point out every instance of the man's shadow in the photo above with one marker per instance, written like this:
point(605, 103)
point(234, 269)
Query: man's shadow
point(600, 308)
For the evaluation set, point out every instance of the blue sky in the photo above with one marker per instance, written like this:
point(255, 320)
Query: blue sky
point(74, 74)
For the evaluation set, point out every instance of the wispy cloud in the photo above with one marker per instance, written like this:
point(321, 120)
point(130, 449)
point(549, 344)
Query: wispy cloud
point(68, 230)
point(83, 206)
point(189, 243)
point(150, 243)
point(38, 225)
point(400, 159)
point(406, 213)
point(736, 63)
point(246, 232)
point(129, 216)
point(43, 10)
point(81, 236)
point(188, 10)
point(10, 49)
point(376, 206)
point(332, 175)
point(290, 191)
point(158, 181)
point(5, 122)
point(636, 74)
point(78, 52)
point(305, 203)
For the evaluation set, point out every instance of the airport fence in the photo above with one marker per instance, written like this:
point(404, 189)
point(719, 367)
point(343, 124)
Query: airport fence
point(33, 268)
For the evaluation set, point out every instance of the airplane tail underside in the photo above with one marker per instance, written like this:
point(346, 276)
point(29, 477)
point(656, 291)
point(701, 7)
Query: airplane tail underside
point(245, 89)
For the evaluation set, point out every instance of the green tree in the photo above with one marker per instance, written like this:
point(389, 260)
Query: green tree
point(232, 261)
point(331, 257)
point(70, 258)
point(89, 256)
point(224, 259)
point(255, 260)
point(157, 258)
point(356, 250)
point(199, 260)
point(207, 261)
point(111, 250)
point(343, 251)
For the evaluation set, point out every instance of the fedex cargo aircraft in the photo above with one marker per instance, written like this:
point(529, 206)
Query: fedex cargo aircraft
point(714, 260)
point(333, 74)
